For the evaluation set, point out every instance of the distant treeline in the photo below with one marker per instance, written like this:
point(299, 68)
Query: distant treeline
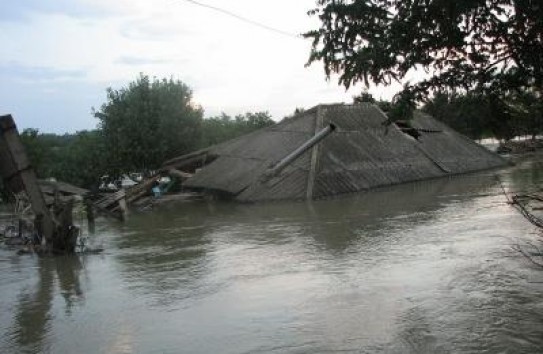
point(140, 126)
point(480, 116)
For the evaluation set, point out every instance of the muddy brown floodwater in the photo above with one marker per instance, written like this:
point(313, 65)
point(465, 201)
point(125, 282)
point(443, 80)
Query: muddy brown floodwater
point(420, 268)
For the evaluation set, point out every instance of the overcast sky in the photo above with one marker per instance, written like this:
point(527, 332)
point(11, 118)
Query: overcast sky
point(57, 57)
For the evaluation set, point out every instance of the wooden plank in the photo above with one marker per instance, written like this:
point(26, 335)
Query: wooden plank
point(183, 162)
point(109, 199)
point(187, 158)
point(139, 190)
point(49, 187)
point(314, 154)
point(19, 162)
point(179, 174)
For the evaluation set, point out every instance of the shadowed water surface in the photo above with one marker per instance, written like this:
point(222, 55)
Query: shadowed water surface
point(419, 268)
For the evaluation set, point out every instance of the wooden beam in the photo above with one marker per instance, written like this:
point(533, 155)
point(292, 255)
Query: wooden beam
point(184, 160)
point(179, 174)
point(17, 165)
point(319, 121)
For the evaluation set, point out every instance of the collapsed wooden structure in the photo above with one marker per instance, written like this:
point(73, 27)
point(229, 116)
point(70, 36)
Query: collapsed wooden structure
point(360, 150)
point(116, 204)
point(53, 227)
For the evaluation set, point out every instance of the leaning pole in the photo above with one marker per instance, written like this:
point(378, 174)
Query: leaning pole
point(54, 227)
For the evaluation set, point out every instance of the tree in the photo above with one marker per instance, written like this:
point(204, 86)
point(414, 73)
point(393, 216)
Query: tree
point(467, 114)
point(527, 112)
point(36, 150)
point(364, 97)
point(82, 161)
point(253, 121)
point(44, 150)
point(480, 116)
point(148, 122)
point(75, 158)
point(215, 130)
point(488, 46)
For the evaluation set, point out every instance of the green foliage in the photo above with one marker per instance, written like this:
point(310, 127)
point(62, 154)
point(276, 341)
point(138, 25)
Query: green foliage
point(479, 116)
point(148, 122)
point(215, 130)
point(366, 97)
point(43, 150)
point(140, 127)
point(474, 115)
point(527, 113)
point(466, 114)
point(299, 110)
point(35, 149)
point(82, 161)
point(493, 47)
point(74, 158)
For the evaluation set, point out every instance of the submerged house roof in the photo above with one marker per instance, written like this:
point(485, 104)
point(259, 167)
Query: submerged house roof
point(360, 153)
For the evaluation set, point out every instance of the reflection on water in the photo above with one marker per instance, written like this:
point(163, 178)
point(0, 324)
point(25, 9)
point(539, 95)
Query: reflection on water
point(419, 268)
point(31, 312)
point(31, 320)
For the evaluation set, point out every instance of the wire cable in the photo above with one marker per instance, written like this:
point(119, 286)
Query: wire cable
point(244, 19)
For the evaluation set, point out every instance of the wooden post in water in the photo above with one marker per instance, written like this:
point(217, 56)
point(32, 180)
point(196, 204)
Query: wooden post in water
point(123, 206)
point(90, 216)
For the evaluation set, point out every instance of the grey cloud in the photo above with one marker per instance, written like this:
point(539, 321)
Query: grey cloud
point(151, 29)
point(136, 61)
point(66, 108)
point(21, 10)
point(15, 71)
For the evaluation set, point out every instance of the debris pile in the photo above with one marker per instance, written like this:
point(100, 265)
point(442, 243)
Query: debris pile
point(49, 218)
point(520, 146)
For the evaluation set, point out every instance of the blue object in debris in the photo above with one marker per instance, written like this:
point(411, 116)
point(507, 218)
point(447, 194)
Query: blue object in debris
point(156, 191)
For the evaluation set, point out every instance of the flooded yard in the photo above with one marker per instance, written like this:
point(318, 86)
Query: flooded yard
point(425, 267)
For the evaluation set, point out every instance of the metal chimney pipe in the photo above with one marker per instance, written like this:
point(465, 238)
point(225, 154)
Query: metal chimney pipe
point(275, 170)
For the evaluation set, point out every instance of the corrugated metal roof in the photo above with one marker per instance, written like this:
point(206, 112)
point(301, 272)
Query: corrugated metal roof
point(243, 160)
point(361, 153)
point(364, 153)
point(455, 152)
